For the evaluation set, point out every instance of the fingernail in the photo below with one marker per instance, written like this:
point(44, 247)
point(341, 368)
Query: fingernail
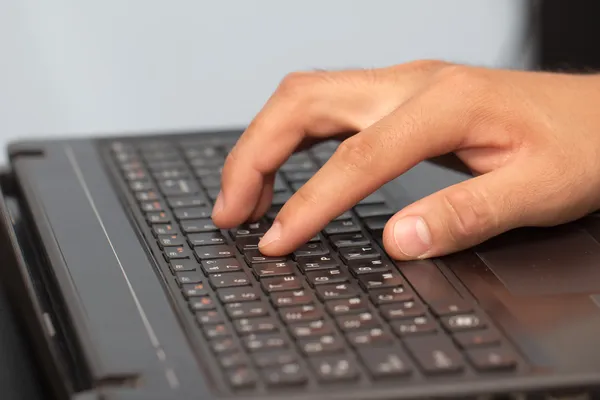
point(219, 204)
point(272, 235)
point(412, 236)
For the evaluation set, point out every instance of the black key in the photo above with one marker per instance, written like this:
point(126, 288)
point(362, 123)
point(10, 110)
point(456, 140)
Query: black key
point(385, 362)
point(326, 276)
point(435, 354)
point(255, 257)
point(183, 265)
point(178, 187)
point(273, 269)
point(390, 295)
point(285, 375)
point(264, 341)
point(205, 239)
point(296, 166)
point(341, 227)
point(188, 277)
point(336, 291)
point(371, 337)
point(298, 176)
point(238, 294)
point(161, 217)
point(209, 317)
point(353, 255)
point(221, 265)
point(311, 328)
point(201, 303)
point(272, 213)
point(334, 368)
point(297, 185)
point(194, 290)
point(279, 185)
point(182, 202)
point(343, 216)
point(171, 173)
point(242, 377)
point(159, 156)
point(291, 298)
point(349, 240)
point(232, 360)
point(321, 345)
point(413, 326)
point(346, 306)
point(247, 243)
point(163, 229)
point(198, 225)
point(373, 210)
point(482, 338)
point(278, 284)
point(375, 224)
point(361, 321)
point(170, 240)
point(153, 206)
point(374, 198)
point(211, 181)
point(185, 213)
point(202, 151)
point(369, 267)
point(271, 358)
point(310, 250)
point(207, 170)
point(229, 279)
point(210, 252)
point(246, 309)
point(280, 198)
point(162, 165)
point(252, 229)
point(136, 175)
point(316, 238)
point(216, 331)
point(380, 280)
point(147, 195)
point(401, 310)
point(457, 306)
point(304, 313)
point(491, 359)
point(247, 326)
point(173, 253)
point(223, 346)
point(316, 263)
point(141, 186)
point(463, 322)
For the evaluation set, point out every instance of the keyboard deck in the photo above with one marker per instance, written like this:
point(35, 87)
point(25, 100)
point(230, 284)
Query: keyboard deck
point(338, 311)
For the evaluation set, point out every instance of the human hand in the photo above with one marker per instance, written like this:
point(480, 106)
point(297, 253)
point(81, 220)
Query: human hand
point(532, 140)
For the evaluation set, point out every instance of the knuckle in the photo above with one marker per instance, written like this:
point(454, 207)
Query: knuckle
point(296, 82)
point(426, 65)
point(307, 197)
point(463, 79)
point(354, 154)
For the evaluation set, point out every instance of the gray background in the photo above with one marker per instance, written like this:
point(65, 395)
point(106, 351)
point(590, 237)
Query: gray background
point(70, 67)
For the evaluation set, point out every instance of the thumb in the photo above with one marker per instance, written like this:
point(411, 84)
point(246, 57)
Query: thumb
point(464, 215)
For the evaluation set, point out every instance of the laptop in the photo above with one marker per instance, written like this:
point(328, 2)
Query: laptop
point(128, 291)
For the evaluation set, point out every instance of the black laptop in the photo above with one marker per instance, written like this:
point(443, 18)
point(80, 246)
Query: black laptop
point(129, 291)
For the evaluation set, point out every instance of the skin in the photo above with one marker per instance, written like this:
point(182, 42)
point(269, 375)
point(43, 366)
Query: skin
point(531, 139)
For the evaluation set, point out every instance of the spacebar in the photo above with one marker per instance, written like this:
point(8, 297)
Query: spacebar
point(428, 280)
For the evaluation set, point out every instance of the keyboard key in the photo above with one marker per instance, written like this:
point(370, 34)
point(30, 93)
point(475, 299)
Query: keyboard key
point(376, 224)
point(483, 338)
point(390, 295)
point(278, 284)
point(285, 375)
point(312, 328)
point(273, 269)
point(304, 313)
point(279, 184)
point(336, 291)
point(170, 240)
point(380, 280)
point(188, 277)
point(463, 322)
point(221, 265)
point(321, 345)
point(373, 210)
point(353, 255)
point(185, 213)
point(211, 181)
point(299, 166)
point(238, 294)
point(247, 326)
point(189, 201)
point(209, 317)
point(346, 306)
point(413, 326)
point(316, 263)
point(340, 227)
point(207, 171)
point(252, 229)
point(364, 320)
point(385, 362)
point(280, 198)
point(326, 276)
point(229, 279)
point(247, 243)
point(371, 337)
point(201, 303)
point(183, 265)
point(198, 225)
point(178, 187)
point(491, 359)
point(334, 368)
point(153, 206)
point(272, 358)
point(298, 176)
point(216, 331)
point(246, 309)
point(194, 290)
point(374, 198)
point(264, 341)
point(162, 165)
point(147, 195)
point(173, 253)
point(171, 173)
point(443, 308)
point(272, 213)
point(163, 229)
point(242, 377)
point(211, 252)
point(161, 217)
point(343, 216)
point(255, 257)
point(311, 249)
point(369, 267)
point(401, 310)
point(291, 298)
point(141, 186)
point(205, 239)
point(435, 354)
point(349, 240)
point(232, 360)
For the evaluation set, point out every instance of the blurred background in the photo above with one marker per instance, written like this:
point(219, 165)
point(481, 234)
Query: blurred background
point(72, 67)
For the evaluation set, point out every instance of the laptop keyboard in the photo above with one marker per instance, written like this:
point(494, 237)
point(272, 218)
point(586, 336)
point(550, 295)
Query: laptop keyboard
point(337, 310)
